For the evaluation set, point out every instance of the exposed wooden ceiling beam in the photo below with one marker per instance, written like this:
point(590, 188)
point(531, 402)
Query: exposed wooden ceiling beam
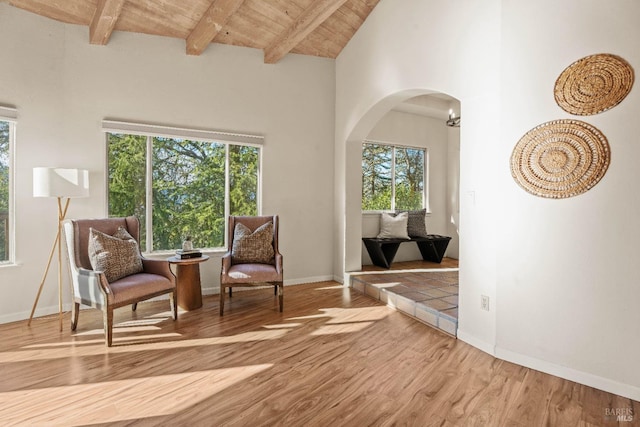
point(309, 20)
point(210, 25)
point(275, 26)
point(104, 20)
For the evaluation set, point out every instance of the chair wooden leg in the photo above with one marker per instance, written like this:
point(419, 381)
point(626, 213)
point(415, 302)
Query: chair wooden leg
point(74, 315)
point(134, 306)
point(280, 288)
point(222, 298)
point(230, 291)
point(108, 325)
point(275, 289)
point(173, 301)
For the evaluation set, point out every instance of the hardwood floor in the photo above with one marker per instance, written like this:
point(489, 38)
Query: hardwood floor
point(333, 358)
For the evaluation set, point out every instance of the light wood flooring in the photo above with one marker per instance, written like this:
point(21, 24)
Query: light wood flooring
point(333, 358)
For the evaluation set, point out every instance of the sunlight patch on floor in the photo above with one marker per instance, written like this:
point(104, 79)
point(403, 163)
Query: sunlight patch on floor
point(362, 314)
point(282, 326)
point(100, 349)
point(131, 339)
point(344, 315)
point(342, 328)
point(121, 400)
point(120, 328)
point(328, 288)
point(346, 320)
point(148, 321)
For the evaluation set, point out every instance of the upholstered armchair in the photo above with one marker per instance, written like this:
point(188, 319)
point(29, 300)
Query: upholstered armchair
point(113, 245)
point(252, 257)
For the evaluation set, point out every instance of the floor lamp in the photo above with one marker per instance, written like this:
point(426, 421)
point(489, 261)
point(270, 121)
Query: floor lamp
point(62, 184)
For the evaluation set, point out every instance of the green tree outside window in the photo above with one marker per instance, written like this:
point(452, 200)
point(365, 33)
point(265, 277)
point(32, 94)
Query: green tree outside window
point(392, 177)
point(5, 138)
point(189, 195)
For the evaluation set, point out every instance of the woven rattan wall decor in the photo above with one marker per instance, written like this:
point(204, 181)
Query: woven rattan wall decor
point(593, 84)
point(560, 159)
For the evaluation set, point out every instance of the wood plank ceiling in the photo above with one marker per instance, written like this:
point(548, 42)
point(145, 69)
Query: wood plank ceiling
point(308, 27)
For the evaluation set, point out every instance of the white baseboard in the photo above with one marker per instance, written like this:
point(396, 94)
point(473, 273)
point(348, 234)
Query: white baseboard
point(479, 344)
point(40, 312)
point(605, 384)
point(304, 281)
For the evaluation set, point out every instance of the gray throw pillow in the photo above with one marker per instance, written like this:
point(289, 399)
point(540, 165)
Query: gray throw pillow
point(253, 247)
point(416, 226)
point(117, 256)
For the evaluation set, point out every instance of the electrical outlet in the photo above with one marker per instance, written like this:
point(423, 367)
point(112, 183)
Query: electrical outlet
point(484, 302)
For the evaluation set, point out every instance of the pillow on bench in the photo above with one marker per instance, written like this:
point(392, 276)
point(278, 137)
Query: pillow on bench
point(393, 226)
point(416, 226)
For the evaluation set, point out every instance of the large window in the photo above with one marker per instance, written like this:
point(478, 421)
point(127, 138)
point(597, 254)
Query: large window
point(7, 130)
point(393, 177)
point(181, 187)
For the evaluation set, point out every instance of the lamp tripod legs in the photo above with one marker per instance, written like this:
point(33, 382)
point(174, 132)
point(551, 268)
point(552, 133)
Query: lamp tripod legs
point(44, 278)
point(62, 212)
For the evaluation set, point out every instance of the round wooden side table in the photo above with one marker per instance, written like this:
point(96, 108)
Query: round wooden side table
point(188, 281)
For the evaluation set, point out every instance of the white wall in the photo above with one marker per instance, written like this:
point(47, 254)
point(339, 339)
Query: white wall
point(63, 88)
point(418, 131)
point(453, 192)
point(568, 287)
point(407, 48)
point(560, 273)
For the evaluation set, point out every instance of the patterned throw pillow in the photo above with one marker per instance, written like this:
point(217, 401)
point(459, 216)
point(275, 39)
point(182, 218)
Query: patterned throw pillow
point(393, 226)
point(123, 234)
point(416, 226)
point(117, 256)
point(256, 247)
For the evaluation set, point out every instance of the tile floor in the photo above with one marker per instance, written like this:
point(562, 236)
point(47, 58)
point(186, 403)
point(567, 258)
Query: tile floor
point(430, 296)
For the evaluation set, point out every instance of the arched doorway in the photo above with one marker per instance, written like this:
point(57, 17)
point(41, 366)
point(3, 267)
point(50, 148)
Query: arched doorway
point(417, 122)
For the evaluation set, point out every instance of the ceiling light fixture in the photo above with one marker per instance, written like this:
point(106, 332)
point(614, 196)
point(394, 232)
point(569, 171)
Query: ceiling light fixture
point(453, 121)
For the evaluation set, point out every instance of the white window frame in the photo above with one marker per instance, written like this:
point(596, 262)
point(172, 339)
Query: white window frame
point(9, 114)
point(220, 137)
point(425, 183)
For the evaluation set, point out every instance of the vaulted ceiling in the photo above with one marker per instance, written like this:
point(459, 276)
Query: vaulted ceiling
point(308, 27)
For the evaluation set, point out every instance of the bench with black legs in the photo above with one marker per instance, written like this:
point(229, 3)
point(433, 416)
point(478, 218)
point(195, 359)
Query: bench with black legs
point(382, 251)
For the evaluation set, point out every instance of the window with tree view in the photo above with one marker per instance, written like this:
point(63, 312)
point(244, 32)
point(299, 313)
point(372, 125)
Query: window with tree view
point(6, 135)
point(180, 187)
point(393, 177)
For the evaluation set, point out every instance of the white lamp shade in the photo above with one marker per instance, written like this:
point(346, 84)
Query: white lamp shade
point(58, 182)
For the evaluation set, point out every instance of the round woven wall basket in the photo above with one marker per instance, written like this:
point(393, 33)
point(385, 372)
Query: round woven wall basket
point(593, 84)
point(560, 159)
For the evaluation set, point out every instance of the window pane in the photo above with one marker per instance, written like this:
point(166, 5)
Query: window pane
point(5, 138)
point(409, 180)
point(376, 177)
point(127, 159)
point(188, 187)
point(243, 180)
point(188, 193)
